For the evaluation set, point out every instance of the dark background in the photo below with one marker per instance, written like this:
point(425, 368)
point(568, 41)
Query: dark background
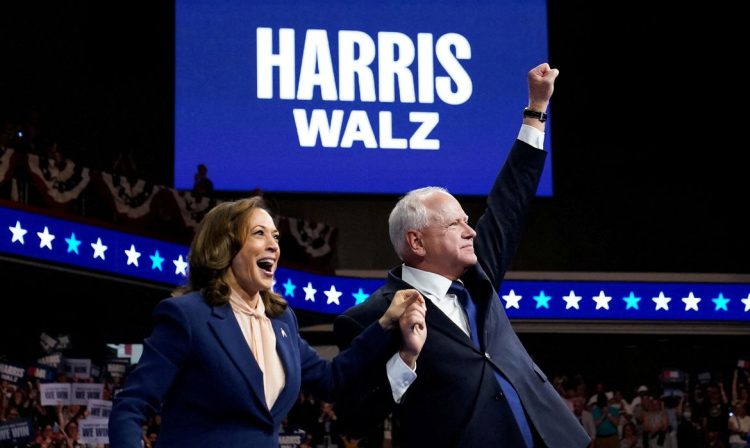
point(650, 154)
point(650, 161)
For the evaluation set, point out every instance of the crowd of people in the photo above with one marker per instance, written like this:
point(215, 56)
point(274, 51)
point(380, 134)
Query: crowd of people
point(683, 413)
point(694, 413)
point(53, 426)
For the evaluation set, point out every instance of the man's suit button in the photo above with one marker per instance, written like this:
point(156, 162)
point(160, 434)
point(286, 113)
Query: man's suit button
point(499, 396)
point(487, 355)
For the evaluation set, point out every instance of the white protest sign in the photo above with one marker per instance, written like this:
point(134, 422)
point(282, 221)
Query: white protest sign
point(93, 431)
point(53, 394)
point(100, 408)
point(83, 392)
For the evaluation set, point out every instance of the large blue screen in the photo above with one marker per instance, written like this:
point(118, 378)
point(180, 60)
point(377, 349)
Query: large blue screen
point(353, 96)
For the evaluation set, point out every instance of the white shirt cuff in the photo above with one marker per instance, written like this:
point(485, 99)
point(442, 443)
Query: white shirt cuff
point(532, 136)
point(400, 375)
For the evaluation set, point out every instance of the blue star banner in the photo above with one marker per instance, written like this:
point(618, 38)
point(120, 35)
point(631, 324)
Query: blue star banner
point(73, 244)
point(626, 300)
point(36, 236)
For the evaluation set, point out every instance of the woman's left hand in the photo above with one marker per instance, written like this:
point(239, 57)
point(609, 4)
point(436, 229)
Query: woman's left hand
point(400, 302)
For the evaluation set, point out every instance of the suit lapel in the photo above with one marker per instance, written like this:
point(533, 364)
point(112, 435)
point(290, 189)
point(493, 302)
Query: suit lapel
point(486, 300)
point(230, 337)
point(284, 340)
point(438, 321)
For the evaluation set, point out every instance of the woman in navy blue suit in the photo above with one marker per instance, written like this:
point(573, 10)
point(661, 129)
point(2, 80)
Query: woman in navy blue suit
point(225, 362)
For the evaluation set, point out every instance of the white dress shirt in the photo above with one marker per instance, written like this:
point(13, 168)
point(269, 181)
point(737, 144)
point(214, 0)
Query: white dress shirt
point(434, 287)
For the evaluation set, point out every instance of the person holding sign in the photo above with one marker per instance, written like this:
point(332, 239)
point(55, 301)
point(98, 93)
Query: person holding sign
point(475, 384)
point(225, 363)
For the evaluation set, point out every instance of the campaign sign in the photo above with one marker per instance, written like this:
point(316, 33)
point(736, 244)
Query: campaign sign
point(77, 367)
point(47, 342)
point(83, 392)
point(99, 408)
point(11, 373)
point(353, 97)
point(52, 360)
point(16, 432)
point(41, 372)
point(116, 368)
point(93, 431)
point(53, 394)
point(291, 439)
point(704, 377)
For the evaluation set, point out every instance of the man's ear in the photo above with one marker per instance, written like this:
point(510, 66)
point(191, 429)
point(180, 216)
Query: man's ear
point(414, 241)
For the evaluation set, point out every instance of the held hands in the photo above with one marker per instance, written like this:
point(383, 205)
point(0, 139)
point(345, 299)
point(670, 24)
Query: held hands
point(401, 301)
point(541, 85)
point(408, 308)
point(413, 329)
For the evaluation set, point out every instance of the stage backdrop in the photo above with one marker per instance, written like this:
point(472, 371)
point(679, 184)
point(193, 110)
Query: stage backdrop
point(353, 96)
point(691, 298)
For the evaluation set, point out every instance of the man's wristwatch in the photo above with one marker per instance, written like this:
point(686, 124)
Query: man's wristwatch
point(541, 116)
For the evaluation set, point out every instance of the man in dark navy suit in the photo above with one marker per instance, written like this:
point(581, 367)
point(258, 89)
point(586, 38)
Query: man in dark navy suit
point(474, 384)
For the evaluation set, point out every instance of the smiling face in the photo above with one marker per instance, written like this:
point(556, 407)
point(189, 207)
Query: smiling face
point(252, 269)
point(446, 245)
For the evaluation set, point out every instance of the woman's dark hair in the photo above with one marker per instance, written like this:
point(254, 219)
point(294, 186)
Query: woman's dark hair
point(218, 239)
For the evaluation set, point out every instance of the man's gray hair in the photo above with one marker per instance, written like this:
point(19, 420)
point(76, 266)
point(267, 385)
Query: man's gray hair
point(409, 213)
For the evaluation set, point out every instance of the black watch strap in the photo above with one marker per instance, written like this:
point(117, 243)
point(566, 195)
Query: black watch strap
point(541, 116)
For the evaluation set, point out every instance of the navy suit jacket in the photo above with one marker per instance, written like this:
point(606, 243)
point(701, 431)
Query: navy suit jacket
point(456, 400)
point(198, 372)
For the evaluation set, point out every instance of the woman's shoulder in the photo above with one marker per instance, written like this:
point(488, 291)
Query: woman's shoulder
point(191, 302)
point(287, 315)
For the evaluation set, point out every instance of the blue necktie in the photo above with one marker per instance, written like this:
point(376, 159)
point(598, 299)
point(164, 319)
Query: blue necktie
point(514, 401)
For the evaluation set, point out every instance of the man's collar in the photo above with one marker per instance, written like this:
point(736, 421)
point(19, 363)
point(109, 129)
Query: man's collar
point(428, 283)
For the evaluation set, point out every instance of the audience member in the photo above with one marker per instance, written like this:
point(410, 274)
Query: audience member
point(739, 427)
point(630, 438)
point(689, 431)
point(716, 412)
point(606, 419)
point(202, 185)
point(584, 416)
